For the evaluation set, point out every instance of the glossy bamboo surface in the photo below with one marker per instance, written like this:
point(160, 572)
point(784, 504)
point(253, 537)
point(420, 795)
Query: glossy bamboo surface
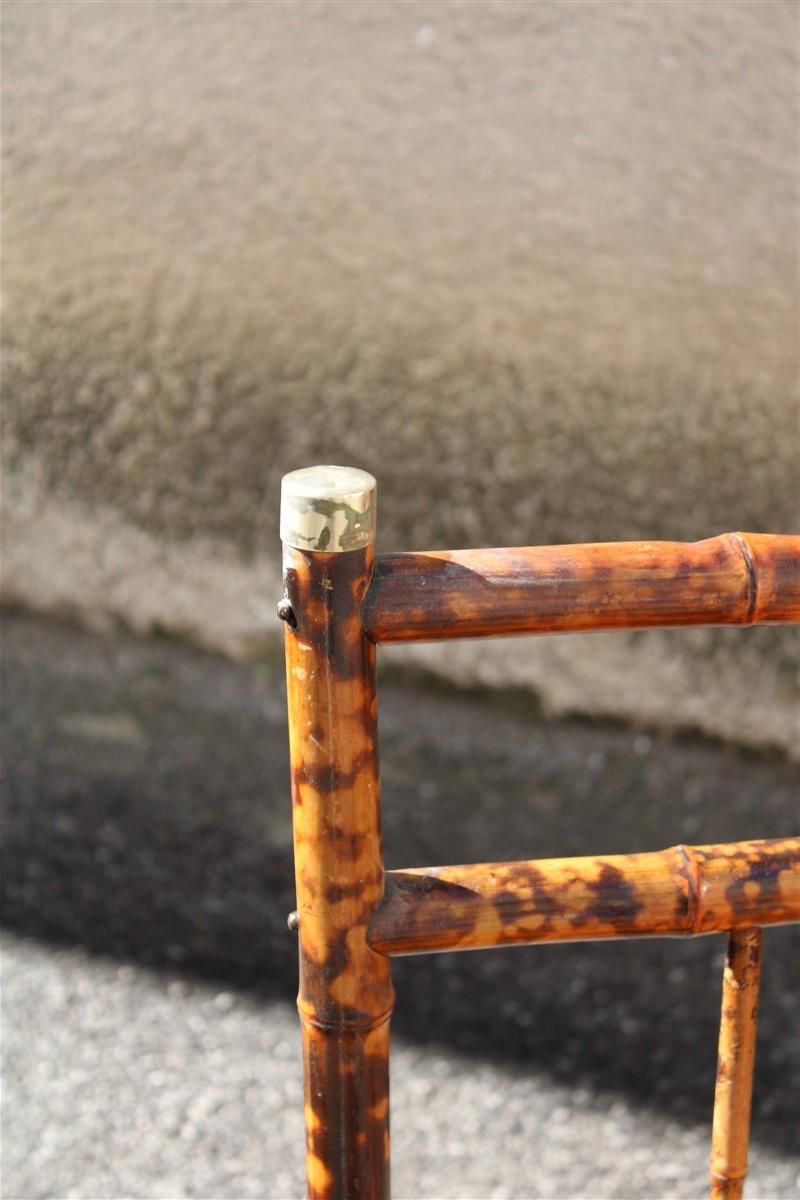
point(737, 1050)
point(733, 579)
point(345, 988)
point(683, 890)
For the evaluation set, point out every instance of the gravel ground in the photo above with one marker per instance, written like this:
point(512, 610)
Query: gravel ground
point(149, 1036)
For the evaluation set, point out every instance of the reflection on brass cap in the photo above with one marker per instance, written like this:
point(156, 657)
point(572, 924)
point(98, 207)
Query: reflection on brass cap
point(328, 508)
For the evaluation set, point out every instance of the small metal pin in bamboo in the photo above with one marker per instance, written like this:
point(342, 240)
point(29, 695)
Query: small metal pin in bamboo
point(286, 613)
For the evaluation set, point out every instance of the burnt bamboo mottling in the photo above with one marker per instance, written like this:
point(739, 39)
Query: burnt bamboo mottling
point(346, 995)
point(733, 579)
point(351, 917)
point(680, 891)
point(737, 1050)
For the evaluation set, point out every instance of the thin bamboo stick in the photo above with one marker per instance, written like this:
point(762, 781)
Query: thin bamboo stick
point(683, 890)
point(733, 579)
point(346, 994)
point(737, 1050)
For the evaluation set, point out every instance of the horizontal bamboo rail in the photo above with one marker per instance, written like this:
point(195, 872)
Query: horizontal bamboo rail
point(683, 890)
point(732, 579)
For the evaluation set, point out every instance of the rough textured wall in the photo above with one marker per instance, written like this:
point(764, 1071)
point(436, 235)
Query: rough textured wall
point(533, 265)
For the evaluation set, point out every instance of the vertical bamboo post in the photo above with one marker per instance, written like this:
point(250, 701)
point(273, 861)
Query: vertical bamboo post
point(737, 1050)
point(346, 995)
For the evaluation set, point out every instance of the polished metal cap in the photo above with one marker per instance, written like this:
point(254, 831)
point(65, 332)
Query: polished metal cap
point(328, 508)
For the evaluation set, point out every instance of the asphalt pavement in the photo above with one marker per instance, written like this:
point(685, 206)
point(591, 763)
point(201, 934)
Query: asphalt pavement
point(149, 1036)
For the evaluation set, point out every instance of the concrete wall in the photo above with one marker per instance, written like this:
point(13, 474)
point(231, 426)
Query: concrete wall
point(533, 265)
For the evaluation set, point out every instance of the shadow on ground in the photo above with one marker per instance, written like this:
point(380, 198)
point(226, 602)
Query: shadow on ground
point(146, 818)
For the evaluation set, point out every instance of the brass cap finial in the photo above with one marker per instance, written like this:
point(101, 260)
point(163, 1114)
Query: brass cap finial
point(328, 509)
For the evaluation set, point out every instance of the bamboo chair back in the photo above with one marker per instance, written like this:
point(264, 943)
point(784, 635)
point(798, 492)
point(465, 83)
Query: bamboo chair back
point(339, 603)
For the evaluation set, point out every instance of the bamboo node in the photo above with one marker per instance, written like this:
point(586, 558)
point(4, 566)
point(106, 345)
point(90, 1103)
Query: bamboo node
point(752, 577)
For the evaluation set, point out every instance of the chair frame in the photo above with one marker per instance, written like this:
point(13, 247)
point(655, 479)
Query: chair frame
point(339, 603)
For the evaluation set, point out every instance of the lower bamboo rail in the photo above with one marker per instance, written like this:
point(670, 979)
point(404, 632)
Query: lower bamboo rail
point(733, 579)
point(683, 890)
point(737, 1051)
